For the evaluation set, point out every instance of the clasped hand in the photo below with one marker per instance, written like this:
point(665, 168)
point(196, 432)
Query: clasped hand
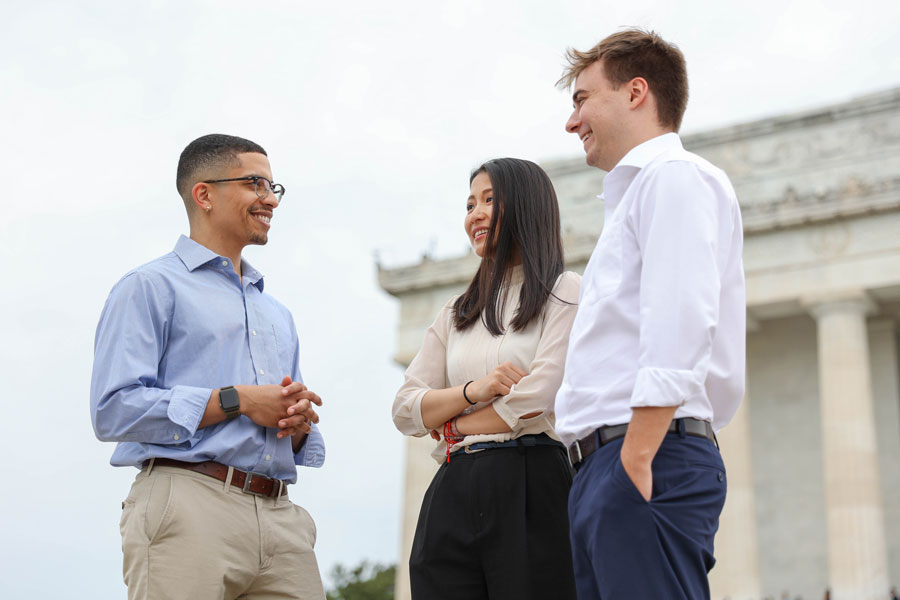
point(497, 383)
point(288, 406)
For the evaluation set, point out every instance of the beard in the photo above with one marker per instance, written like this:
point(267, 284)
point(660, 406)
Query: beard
point(259, 239)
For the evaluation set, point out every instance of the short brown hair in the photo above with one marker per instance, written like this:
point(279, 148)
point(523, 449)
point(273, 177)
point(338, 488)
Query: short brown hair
point(637, 53)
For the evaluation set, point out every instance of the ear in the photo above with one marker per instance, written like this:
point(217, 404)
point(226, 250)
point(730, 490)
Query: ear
point(200, 197)
point(638, 91)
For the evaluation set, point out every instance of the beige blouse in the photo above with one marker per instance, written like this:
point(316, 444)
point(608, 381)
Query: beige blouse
point(450, 357)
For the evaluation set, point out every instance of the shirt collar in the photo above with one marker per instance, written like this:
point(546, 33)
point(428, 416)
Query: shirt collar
point(252, 275)
point(642, 154)
point(621, 176)
point(194, 255)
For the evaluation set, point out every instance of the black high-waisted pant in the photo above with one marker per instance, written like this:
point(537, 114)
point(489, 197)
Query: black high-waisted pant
point(494, 526)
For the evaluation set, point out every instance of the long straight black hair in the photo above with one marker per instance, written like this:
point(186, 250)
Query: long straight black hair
point(524, 223)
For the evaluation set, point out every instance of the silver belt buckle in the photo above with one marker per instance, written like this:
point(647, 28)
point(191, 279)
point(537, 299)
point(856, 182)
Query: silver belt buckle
point(250, 475)
point(576, 446)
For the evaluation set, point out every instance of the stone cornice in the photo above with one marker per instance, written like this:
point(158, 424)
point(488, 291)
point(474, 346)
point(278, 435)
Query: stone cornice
point(855, 197)
point(427, 274)
point(793, 210)
point(847, 193)
point(871, 104)
point(459, 270)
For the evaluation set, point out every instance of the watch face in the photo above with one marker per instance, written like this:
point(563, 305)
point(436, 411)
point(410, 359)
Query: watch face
point(230, 402)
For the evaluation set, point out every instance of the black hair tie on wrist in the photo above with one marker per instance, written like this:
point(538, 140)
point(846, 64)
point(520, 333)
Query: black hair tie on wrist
point(466, 397)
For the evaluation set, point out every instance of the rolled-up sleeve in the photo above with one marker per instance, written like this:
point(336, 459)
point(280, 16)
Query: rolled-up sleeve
point(535, 393)
point(126, 405)
point(427, 371)
point(680, 232)
point(312, 452)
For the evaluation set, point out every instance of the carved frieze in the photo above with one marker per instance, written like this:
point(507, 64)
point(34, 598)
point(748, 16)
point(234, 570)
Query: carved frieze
point(851, 196)
point(829, 241)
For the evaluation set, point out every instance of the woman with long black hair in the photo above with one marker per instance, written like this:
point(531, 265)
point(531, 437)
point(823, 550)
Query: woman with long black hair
point(494, 523)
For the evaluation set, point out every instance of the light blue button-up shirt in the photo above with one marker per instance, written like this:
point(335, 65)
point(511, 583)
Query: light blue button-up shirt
point(171, 332)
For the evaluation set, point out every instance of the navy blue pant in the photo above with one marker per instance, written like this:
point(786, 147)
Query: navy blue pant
point(625, 548)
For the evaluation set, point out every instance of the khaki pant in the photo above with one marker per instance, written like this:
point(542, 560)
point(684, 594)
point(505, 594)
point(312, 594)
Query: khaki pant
point(187, 535)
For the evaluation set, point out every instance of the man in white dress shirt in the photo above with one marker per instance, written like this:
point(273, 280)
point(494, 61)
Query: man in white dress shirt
point(656, 354)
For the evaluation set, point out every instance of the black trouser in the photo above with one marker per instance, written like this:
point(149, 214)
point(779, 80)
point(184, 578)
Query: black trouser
point(494, 525)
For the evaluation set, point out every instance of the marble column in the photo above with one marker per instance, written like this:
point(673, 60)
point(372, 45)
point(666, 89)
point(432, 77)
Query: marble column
point(886, 389)
point(857, 552)
point(736, 574)
point(420, 469)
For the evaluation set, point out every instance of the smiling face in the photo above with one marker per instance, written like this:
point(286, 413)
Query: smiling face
point(238, 217)
point(600, 117)
point(479, 210)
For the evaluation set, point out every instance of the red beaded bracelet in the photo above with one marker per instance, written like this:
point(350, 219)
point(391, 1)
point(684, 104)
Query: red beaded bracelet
point(451, 435)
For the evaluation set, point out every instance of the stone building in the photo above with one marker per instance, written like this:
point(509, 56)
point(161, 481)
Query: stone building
point(813, 456)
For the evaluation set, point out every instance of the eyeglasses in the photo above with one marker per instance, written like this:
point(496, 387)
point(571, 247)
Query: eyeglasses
point(263, 186)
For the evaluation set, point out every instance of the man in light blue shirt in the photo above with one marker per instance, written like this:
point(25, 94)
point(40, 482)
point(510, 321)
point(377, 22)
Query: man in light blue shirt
point(196, 376)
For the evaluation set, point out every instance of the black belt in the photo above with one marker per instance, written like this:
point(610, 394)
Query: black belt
point(525, 441)
point(601, 436)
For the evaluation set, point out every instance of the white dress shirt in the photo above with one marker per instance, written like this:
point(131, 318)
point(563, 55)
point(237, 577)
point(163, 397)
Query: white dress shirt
point(662, 306)
point(450, 357)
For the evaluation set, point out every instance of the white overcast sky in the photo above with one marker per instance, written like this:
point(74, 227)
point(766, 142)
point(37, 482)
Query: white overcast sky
point(373, 113)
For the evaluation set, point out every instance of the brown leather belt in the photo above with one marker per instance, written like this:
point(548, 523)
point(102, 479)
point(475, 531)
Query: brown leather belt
point(601, 436)
point(248, 482)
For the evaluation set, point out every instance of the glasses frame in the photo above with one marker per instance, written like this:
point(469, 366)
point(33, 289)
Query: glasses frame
point(255, 179)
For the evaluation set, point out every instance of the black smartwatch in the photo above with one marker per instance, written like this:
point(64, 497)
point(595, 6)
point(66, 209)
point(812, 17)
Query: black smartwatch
point(230, 402)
